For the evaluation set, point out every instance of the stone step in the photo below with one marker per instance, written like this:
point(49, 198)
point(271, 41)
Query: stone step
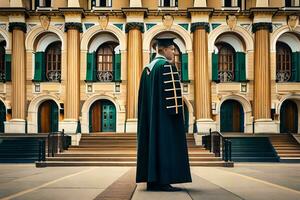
point(120, 158)
point(288, 151)
point(290, 159)
point(118, 154)
point(288, 155)
point(287, 148)
point(81, 164)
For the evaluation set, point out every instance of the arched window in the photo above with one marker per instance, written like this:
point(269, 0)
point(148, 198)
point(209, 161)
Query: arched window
point(226, 62)
point(53, 62)
point(104, 59)
point(283, 62)
point(2, 61)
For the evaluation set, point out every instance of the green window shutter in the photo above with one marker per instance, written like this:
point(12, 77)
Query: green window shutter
point(8, 67)
point(184, 67)
point(90, 120)
point(240, 67)
point(152, 56)
point(215, 60)
point(90, 66)
point(39, 67)
point(54, 117)
point(295, 66)
point(117, 67)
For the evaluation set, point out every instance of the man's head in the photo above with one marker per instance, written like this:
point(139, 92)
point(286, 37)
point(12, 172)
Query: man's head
point(166, 47)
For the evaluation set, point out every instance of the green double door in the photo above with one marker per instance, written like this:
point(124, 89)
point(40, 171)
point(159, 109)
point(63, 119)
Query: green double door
point(232, 116)
point(102, 117)
point(289, 117)
point(48, 117)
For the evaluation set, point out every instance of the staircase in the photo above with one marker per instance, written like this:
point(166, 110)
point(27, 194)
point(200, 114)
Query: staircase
point(119, 149)
point(20, 148)
point(287, 147)
point(253, 149)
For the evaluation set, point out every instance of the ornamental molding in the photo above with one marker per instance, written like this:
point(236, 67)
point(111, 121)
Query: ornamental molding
point(167, 21)
point(134, 25)
point(200, 25)
point(292, 22)
point(231, 21)
point(73, 25)
point(262, 25)
point(103, 21)
point(17, 25)
point(45, 21)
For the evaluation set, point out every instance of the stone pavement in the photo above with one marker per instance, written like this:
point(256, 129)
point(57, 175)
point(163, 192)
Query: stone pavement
point(270, 181)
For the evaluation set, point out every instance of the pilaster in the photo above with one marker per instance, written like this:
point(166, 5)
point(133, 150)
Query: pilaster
point(202, 86)
point(134, 29)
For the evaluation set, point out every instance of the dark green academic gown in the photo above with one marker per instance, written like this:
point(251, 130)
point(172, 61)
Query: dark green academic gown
point(162, 155)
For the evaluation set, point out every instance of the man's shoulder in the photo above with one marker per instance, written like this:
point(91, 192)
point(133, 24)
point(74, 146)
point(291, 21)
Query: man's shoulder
point(160, 64)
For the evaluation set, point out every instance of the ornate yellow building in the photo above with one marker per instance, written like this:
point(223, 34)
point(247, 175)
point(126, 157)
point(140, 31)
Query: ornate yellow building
point(75, 64)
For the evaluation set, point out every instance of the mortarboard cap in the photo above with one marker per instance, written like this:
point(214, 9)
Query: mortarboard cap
point(165, 41)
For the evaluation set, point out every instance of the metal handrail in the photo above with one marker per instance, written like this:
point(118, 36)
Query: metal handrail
point(56, 143)
point(217, 143)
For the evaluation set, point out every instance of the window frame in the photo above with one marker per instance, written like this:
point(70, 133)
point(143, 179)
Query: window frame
point(108, 74)
point(227, 58)
point(285, 64)
point(173, 3)
point(54, 47)
point(95, 5)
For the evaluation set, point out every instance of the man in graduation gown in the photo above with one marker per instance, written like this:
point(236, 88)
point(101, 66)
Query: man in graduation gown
point(162, 157)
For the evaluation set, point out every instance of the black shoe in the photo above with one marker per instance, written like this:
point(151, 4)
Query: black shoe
point(162, 187)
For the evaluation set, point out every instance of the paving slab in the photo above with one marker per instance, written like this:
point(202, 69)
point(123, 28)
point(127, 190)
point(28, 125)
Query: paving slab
point(246, 187)
point(142, 194)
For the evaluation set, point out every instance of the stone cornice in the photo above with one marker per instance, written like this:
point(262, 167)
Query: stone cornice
point(200, 25)
point(204, 10)
point(71, 10)
point(262, 25)
point(128, 11)
point(268, 10)
point(6, 11)
point(134, 25)
point(73, 25)
point(17, 25)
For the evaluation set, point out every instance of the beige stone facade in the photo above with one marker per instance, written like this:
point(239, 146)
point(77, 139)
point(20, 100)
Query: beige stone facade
point(133, 24)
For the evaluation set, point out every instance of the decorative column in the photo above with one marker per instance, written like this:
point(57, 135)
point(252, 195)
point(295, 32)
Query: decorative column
point(202, 83)
point(18, 71)
point(262, 101)
point(262, 79)
point(72, 95)
point(134, 68)
point(202, 86)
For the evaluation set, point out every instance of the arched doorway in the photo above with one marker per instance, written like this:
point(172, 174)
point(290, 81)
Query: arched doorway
point(288, 117)
point(232, 116)
point(2, 116)
point(48, 117)
point(102, 116)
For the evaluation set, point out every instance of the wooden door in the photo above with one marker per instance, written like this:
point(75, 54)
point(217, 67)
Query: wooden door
point(289, 117)
point(48, 117)
point(95, 117)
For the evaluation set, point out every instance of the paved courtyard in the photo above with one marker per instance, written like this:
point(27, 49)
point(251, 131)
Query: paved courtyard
point(268, 181)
